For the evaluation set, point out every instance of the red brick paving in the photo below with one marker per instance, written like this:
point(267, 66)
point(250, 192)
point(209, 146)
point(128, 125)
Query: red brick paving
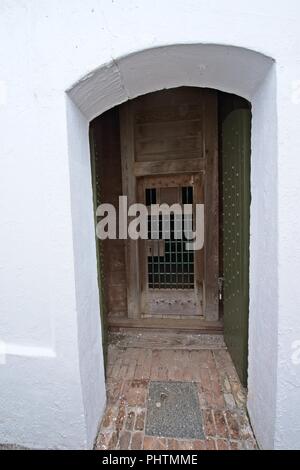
point(222, 399)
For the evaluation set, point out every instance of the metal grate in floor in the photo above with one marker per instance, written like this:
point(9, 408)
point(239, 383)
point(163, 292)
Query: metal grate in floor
point(173, 411)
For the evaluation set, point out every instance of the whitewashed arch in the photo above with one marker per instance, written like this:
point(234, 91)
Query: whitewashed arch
point(232, 69)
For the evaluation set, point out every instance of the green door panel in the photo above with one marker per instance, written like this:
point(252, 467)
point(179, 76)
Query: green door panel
point(236, 142)
point(96, 183)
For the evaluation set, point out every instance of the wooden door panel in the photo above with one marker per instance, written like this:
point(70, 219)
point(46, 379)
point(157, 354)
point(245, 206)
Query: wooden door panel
point(169, 125)
point(171, 138)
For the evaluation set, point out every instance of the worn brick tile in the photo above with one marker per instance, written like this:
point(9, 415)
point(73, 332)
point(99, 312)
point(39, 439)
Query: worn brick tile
point(208, 423)
point(117, 365)
point(244, 425)
point(130, 418)
point(172, 444)
point(246, 434)
point(188, 367)
point(177, 365)
point(122, 374)
point(130, 355)
point(230, 369)
point(137, 440)
point(222, 444)
point(214, 373)
point(217, 398)
point(131, 360)
point(210, 399)
point(250, 444)
point(199, 445)
point(219, 401)
point(220, 423)
point(205, 358)
point(233, 424)
point(115, 371)
point(239, 394)
point(114, 390)
point(215, 385)
point(110, 416)
point(124, 440)
point(201, 396)
point(225, 384)
point(107, 441)
point(131, 370)
point(224, 379)
point(205, 380)
point(144, 362)
point(229, 401)
point(195, 365)
point(235, 445)
point(113, 441)
point(169, 360)
point(109, 371)
point(154, 443)
point(135, 392)
point(218, 354)
point(159, 367)
point(119, 423)
point(102, 441)
point(210, 444)
point(140, 421)
point(184, 445)
point(113, 354)
point(220, 360)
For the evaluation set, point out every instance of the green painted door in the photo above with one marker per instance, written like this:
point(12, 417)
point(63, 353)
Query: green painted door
point(96, 184)
point(236, 133)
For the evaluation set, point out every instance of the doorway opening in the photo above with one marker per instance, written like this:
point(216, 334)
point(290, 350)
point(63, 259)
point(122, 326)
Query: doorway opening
point(179, 146)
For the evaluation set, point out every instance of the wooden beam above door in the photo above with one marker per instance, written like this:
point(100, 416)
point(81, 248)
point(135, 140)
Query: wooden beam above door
point(169, 167)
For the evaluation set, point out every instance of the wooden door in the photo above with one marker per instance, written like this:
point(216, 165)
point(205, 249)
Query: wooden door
point(236, 131)
point(169, 142)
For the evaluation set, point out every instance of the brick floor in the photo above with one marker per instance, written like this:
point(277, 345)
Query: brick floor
point(222, 399)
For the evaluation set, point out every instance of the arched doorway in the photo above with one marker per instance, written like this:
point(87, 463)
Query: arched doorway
point(231, 69)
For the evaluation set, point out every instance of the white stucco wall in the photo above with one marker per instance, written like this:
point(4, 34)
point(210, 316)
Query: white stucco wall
point(52, 384)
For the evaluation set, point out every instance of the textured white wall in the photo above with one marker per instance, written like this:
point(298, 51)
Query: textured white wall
point(263, 329)
point(52, 385)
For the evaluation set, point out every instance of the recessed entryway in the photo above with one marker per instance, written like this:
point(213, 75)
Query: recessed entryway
point(180, 147)
point(232, 69)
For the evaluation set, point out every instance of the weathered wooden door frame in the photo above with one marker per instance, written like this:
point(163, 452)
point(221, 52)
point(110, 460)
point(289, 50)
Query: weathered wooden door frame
point(129, 189)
